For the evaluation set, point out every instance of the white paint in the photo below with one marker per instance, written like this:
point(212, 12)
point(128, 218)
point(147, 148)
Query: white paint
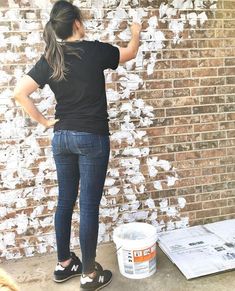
point(47, 221)
point(170, 225)
point(157, 185)
point(3, 42)
point(181, 202)
point(171, 180)
point(141, 215)
point(137, 14)
point(177, 27)
point(136, 152)
point(182, 223)
point(150, 203)
point(202, 17)
point(153, 216)
point(30, 53)
point(51, 205)
point(20, 157)
point(171, 211)
point(112, 96)
point(21, 203)
point(192, 18)
point(9, 239)
point(9, 57)
point(4, 78)
point(21, 221)
point(3, 211)
point(37, 211)
point(113, 191)
point(164, 205)
point(109, 182)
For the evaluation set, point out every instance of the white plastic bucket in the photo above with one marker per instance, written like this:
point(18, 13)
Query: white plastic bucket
point(136, 249)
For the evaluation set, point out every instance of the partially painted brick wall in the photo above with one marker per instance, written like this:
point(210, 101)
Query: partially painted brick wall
point(171, 116)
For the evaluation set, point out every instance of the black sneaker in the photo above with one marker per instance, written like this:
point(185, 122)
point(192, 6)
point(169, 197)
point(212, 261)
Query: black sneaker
point(102, 279)
point(74, 269)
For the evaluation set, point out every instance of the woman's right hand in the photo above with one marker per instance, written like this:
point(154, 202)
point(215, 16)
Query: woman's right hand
point(136, 28)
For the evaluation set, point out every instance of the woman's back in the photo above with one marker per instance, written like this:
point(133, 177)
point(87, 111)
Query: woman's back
point(81, 98)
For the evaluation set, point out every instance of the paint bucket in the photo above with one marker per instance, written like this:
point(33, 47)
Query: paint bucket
point(136, 249)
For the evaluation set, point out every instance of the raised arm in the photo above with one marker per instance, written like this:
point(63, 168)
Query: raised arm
point(128, 53)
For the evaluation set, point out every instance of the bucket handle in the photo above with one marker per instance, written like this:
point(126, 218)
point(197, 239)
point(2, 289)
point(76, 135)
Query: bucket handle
point(117, 250)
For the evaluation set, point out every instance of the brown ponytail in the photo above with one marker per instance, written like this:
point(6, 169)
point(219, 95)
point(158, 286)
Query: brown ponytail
point(60, 25)
point(54, 53)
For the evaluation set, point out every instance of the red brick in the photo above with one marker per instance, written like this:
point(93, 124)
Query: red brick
point(188, 156)
point(186, 83)
point(206, 127)
point(208, 213)
point(215, 204)
point(204, 72)
point(213, 153)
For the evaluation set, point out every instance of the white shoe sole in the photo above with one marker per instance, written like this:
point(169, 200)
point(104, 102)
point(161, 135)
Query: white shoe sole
point(99, 288)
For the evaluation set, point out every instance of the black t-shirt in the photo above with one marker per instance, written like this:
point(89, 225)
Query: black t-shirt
point(81, 98)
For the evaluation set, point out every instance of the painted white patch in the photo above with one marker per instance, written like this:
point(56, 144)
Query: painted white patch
point(150, 203)
point(21, 221)
point(109, 182)
point(47, 221)
point(182, 223)
point(171, 180)
point(51, 205)
point(31, 53)
point(177, 27)
point(4, 78)
point(171, 211)
point(3, 42)
point(21, 203)
point(20, 157)
point(153, 216)
point(202, 17)
point(137, 14)
point(164, 205)
point(37, 211)
point(113, 191)
point(170, 225)
point(136, 152)
point(112, 95)
point(181, 202)
point(9, 239)
point(3, 211)
point(141, 215)
point(192, 18)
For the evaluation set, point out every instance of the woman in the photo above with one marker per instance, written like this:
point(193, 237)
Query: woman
point(73, 68)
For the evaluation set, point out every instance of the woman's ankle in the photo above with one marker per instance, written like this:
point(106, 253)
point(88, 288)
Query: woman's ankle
point(65, 263)
point(90, 275)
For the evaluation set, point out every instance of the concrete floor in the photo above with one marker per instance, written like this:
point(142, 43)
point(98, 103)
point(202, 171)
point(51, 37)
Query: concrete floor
point(36, 274)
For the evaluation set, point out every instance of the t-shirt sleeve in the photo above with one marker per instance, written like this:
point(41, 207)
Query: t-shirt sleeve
point(109, 55)
point(40, 72)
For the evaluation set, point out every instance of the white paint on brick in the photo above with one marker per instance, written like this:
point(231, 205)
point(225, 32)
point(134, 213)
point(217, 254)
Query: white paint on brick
point(18, 158)
point(164, 205)
point(150, 203)
point(181, 202)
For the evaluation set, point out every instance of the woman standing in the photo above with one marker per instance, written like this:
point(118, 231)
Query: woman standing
point(73, 68)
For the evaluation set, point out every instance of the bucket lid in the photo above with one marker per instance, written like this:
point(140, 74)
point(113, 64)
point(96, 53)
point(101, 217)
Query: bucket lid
point(134, 231)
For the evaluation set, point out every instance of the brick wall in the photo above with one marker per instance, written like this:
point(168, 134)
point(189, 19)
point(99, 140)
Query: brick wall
point(171, 116)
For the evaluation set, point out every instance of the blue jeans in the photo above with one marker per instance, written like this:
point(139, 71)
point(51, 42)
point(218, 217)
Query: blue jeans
point(80, 158)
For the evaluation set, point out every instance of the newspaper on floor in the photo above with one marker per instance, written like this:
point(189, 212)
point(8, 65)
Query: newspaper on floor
point(201, 250)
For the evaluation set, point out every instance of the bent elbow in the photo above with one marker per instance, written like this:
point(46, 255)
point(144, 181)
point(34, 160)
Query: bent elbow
point(18, 95)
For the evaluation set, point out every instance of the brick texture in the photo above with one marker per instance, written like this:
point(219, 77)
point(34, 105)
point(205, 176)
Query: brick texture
point(171, 119)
